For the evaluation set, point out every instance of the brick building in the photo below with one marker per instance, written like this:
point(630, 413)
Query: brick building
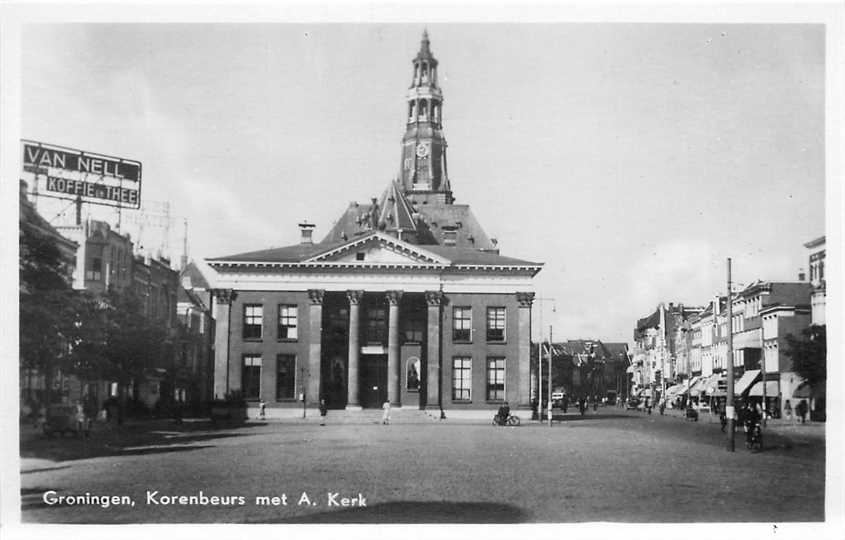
point(406, 299)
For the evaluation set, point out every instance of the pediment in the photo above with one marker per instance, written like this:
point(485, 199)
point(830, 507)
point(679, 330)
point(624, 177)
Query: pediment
point(378, 248)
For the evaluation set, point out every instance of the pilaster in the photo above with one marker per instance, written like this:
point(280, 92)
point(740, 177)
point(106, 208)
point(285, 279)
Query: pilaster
point(434, 300)
point(353, 376)
point(393, 298)
point(224, 298)
point(315, 336)
point(525, 300)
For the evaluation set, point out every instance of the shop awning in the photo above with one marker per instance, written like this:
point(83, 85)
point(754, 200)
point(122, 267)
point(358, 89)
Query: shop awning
point(699, 385)
point(771, 389)
point(744, 382)
point(712, 387)
point(805, 391)
point(673, 390)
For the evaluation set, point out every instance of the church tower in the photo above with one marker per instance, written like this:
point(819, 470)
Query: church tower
point(423, 169)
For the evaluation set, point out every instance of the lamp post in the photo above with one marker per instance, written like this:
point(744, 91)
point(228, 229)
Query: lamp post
point(539, 301)
point(551, 355)
point(729, 402)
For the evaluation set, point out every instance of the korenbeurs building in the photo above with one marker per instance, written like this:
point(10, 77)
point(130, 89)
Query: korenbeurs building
point(405, 300)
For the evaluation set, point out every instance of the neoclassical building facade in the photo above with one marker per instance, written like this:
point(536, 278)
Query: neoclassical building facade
point(405, 300)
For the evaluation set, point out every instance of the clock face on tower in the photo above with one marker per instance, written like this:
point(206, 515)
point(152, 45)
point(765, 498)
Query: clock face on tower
point(422, 150)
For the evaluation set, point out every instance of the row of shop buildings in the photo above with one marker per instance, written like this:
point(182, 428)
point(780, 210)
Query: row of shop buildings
point(681, 352)
point(97, 258)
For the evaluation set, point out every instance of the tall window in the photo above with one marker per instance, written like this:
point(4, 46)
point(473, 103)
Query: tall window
point(287, 321)
point(495, 324)
point(462, 324)
point(413, 326)
point(376, 328)
point(495, 379)
point(251, 381)
point(285, 376)
point(253, 318)
point(461, 378)
point(96, 271)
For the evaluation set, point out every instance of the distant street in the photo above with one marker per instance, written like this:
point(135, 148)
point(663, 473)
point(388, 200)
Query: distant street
point(610, 465)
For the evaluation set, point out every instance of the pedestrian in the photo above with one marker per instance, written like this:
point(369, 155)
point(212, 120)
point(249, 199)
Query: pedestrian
point(385, 415)
point(801, 410)
point(323, 411)
point(80, 418)
point(262, 410)
point(787, 410)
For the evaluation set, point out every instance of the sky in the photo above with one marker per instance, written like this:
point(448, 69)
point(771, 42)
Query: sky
point(632, 159)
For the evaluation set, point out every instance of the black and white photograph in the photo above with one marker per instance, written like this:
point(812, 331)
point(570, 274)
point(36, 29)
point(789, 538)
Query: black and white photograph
point(256, 284)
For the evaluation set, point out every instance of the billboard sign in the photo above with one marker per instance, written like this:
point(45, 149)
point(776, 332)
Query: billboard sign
point(67, 173)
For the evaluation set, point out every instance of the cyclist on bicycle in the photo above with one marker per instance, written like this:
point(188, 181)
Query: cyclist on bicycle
point(504, 413)
point(752, 420)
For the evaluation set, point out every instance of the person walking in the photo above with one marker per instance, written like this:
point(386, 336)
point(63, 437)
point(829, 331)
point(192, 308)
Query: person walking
point(262, 410)
point(801, 410)
point(385, 415)
point(787, 410)
point(323, 411)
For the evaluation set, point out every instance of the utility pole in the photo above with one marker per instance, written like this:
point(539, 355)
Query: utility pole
point(729, 403)
point(551, 355)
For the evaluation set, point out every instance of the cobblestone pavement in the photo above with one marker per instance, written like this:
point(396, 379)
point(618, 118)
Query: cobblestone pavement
point(609, 465)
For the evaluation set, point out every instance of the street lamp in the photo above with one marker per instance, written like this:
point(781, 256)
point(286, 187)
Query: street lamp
point(540, 301)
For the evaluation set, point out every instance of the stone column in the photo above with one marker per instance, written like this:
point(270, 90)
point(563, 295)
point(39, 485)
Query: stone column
point(525, 300)
point(315, 336)
point(353, 375)
point(224, 297)
point(393, 297)
point(434, 299)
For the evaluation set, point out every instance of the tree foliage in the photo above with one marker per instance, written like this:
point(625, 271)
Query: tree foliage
point(93, 336)
point(809, 354)
point(47, 304)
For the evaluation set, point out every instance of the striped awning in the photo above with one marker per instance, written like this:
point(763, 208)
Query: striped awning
point(771, 389)
point(744, 382)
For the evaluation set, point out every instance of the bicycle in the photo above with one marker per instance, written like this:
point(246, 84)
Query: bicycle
point(511, 421)
point(754, 440)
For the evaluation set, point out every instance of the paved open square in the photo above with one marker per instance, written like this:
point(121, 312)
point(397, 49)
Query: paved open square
point(609, 465)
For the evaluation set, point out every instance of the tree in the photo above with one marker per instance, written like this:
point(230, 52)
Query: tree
point(809, 354)
point(47, 306)
point(132, 342)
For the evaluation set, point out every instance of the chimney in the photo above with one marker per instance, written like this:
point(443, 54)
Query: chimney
point(801, 275)
point(306, 229)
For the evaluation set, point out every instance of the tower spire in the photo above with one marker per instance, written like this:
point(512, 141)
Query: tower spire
point(424, 146)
